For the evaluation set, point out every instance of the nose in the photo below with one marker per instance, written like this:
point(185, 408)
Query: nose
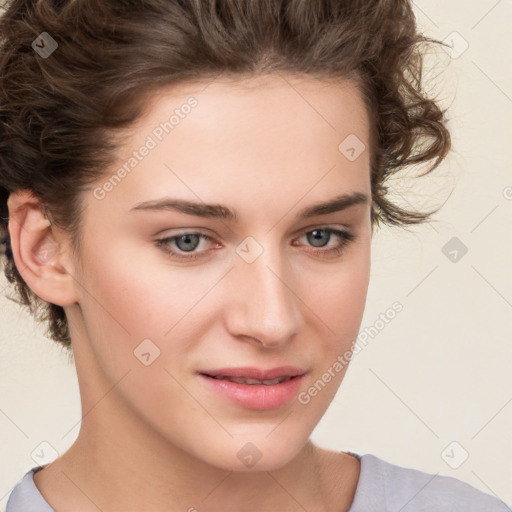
point(264, 304)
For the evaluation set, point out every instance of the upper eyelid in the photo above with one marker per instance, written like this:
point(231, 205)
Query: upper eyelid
point(202, 234)
point(205, 233)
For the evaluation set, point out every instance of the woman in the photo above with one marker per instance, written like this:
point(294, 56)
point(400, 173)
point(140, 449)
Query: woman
point(262, 134)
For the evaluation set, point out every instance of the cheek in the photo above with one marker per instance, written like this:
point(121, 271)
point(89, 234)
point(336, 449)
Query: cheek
point(127, 313)
point(338, 294)
point(145, 317)
point(338, 310)
point(134, 293)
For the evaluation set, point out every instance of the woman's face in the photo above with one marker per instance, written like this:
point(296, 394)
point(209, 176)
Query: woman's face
point(264, 288)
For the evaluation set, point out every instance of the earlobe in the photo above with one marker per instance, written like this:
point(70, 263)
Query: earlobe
point(39, 256)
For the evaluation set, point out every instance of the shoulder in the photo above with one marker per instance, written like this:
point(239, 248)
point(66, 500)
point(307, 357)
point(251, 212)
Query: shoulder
point(25, 496)
point(408, 489)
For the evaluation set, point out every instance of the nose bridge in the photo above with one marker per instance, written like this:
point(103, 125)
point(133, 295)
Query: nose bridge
point(268, 307)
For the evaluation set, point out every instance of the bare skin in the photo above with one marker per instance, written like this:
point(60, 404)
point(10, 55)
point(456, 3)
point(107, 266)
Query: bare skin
point(155, 437)
point(329, 482)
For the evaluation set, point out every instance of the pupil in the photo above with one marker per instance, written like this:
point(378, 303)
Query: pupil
point(187, 239)
point(316, 238)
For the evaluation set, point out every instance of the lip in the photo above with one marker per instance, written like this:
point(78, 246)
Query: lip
point(255, 396)
point(258, 397)
point(251, 372)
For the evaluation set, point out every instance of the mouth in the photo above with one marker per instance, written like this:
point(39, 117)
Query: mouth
point(255, 388)
point(253, 375)
point(252, 382)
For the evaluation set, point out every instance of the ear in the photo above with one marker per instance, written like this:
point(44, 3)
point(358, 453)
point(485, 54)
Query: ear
point(40, 250)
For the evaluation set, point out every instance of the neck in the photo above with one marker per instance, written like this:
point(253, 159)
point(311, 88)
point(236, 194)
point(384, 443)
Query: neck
point(112, 471)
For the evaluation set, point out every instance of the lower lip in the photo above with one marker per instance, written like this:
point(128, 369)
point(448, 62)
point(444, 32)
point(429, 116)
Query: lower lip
point(256, 396)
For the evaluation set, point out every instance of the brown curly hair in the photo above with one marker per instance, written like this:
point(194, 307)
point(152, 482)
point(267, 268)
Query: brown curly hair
point(59, 114)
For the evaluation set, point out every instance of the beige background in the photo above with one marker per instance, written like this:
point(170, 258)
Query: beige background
point(434, 384)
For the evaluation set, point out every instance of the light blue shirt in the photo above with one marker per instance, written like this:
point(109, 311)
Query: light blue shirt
point(382, 487)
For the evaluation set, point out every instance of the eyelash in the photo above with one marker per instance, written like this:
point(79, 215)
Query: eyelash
point(345, 236)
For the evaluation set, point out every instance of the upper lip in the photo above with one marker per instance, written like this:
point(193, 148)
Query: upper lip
point(250, 372)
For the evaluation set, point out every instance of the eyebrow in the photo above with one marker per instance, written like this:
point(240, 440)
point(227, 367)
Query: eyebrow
point(219, 211)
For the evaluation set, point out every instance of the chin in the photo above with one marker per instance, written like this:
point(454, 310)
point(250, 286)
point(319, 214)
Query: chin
point(259, 454)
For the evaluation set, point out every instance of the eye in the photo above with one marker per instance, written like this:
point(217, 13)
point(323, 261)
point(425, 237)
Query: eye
point(319, 236)
point(188, 242)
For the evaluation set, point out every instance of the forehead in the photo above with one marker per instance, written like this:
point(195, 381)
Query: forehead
point(240, 140)
point(334, 103)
